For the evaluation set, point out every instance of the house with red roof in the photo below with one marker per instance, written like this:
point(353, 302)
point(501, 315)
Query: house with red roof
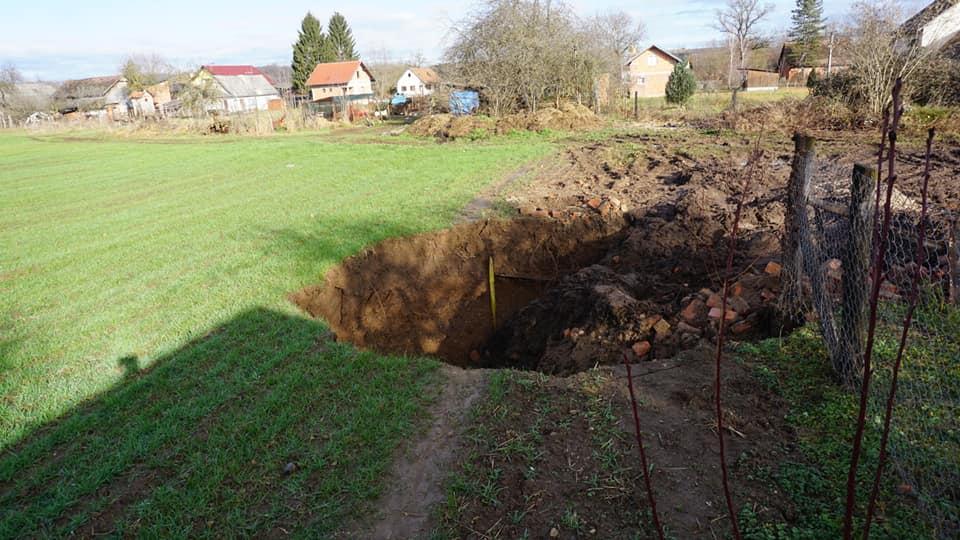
point(239, 88)
point(338, 82)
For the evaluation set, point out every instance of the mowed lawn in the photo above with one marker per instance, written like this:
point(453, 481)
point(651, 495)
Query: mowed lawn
point(154, 379)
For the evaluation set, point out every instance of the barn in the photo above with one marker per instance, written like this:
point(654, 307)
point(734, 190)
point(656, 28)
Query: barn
point(240, 88)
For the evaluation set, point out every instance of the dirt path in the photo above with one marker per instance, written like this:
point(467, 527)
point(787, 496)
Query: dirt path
point(415, 483)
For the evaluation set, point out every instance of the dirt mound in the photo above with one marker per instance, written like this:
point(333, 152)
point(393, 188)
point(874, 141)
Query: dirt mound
point(446, 126)
point(429, 294)
point(568, 117)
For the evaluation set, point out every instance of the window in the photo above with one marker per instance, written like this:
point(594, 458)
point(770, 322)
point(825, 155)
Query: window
point(651, 60)
point(403, 88)
point(358, 74)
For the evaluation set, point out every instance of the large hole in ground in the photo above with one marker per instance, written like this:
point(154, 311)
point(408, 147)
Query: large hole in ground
point(571, 293)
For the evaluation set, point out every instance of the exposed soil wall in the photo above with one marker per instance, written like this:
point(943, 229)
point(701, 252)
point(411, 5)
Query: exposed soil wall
point(429, 294)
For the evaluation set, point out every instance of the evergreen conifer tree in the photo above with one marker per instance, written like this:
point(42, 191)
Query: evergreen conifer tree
point(307, 51)
point(340, 39)
point(682, 84)
point(806, 32)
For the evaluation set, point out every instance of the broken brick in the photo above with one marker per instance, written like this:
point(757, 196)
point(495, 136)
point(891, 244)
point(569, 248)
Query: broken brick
point(641, 348)
point(773, 269)
point(693, 311)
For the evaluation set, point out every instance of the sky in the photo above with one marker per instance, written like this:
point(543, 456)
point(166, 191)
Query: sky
point(64, 39)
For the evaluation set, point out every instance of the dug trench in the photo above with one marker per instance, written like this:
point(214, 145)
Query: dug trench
point(572, 289)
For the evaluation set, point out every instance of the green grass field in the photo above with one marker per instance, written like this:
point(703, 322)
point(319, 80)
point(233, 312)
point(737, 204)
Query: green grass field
point(121, 255)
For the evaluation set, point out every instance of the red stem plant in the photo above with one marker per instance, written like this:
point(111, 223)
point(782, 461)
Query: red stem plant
point(908, 320)
point(877, 276)
point(721, 335)
point(643, 454)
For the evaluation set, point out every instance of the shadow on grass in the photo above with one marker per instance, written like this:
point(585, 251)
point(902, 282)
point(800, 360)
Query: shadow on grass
point(262, 426)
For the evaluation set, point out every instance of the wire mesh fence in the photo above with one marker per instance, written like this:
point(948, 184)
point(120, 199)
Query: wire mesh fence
point(831, 252)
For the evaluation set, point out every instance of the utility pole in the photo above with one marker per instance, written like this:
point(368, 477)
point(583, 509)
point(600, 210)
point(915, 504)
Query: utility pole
point(830, 55)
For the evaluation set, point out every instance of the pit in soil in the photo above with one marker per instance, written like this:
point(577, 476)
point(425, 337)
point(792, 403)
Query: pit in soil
point(571, 292)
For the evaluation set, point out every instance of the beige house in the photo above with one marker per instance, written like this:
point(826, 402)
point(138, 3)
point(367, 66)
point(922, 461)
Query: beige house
point(647, 71)
point(342, 81)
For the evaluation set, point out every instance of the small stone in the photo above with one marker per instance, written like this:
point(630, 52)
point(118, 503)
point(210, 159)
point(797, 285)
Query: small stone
point(594, 203)
point(693, 311)
point(641, 348)
point(289, 468)
point(714, 301)
point(738, 304)
point(554, 532)
point(834, 264)
point(687, 329)
point(474, 356)
point(616, 259)
point(773, 269)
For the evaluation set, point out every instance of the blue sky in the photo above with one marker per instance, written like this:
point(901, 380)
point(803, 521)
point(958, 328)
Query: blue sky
point(62, 39)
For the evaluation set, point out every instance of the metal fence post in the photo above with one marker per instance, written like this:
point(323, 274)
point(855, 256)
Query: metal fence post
point(798, 194)
point(856, 266)
point(636, 105)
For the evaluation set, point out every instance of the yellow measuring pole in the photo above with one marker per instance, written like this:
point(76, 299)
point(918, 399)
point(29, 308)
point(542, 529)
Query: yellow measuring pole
point(493, 295)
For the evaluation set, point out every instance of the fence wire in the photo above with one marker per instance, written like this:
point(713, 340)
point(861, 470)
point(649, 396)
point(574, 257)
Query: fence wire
point(838, 244)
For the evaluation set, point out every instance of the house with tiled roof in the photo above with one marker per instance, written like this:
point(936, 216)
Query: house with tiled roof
point(418, 82)
point(341, 81)
point(646, 71)
point(239, 88)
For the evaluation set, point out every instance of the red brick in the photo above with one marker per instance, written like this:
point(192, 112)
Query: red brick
point(715, 314)
point(773, 268)
point(693, 311)
point(641, 348)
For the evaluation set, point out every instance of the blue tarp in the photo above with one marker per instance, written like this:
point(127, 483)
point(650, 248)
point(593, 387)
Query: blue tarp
point(464, 102)
point(398, 99)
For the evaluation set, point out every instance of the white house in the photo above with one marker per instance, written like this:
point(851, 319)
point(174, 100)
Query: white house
point(350, 81)
point(418, 82)
point(240, 88)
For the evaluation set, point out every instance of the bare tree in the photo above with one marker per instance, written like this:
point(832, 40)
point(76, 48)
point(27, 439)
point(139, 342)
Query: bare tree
point(142, 70)
point(9, 78)
point(615, 32)
point(738, 20)
point(880, 51)
point(522, 53)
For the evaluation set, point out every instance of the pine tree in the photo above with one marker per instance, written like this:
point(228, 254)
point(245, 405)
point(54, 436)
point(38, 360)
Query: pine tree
point(807, 32)
point(340, 38)
point(307, 51)
point(682, 84)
